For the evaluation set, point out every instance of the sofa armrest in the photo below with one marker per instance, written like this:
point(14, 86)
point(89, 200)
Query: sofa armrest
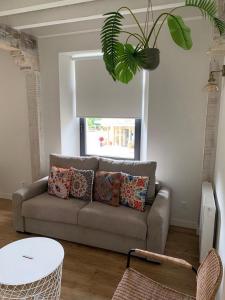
point(158, 221)
point(23, 194)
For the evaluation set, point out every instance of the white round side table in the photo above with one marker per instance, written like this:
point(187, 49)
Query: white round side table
point(31, 269)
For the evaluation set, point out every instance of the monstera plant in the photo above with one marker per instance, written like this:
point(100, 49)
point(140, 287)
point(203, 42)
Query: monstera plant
point(123, 60)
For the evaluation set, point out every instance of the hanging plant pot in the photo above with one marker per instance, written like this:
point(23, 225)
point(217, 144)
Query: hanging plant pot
point(149, 58)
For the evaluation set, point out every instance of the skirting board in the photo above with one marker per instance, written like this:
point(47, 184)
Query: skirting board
point(183, 223)
point(5, 196)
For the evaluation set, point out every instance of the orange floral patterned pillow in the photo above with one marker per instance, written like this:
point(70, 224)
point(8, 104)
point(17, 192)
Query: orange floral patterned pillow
point(59, 182)
point(133, 191)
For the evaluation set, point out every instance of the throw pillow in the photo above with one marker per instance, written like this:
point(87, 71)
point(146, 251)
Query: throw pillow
point(107, 187)
point(59, 182)
point(136, 168)
point(82, 184)
point(133, 191)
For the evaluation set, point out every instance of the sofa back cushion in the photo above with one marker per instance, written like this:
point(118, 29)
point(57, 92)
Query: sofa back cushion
point(137, 168)
point(80, 163)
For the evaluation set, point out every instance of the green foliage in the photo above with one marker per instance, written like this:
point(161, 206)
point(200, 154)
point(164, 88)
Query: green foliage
point(208, 9)
point(109, 37)
point(220, 25)
point(93, 122)
point(123, 60)
point(127, 65)
point(181, 34)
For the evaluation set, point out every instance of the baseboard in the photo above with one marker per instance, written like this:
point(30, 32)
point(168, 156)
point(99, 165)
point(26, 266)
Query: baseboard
point(6, 196)
point(183, 223)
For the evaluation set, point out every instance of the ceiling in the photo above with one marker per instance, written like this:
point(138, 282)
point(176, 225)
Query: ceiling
point(46, 18)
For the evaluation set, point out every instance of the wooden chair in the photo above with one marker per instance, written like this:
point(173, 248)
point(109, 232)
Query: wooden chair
point(136, 286)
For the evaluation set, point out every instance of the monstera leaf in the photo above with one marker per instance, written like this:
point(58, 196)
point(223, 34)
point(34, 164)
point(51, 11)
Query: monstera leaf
point(180, 33)
point(127, 64)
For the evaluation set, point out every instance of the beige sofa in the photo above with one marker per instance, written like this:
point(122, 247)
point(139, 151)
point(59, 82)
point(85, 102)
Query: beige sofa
point(94, 223)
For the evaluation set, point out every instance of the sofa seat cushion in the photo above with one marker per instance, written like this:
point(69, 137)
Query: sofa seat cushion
point(50, 208)
point(118, 220)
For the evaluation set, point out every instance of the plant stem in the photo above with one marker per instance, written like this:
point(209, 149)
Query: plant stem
point(161, 25)
point(136, 35)
point(154, 25)
point(136, 20)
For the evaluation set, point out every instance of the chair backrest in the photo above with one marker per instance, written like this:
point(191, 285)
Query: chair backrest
point(209, 276)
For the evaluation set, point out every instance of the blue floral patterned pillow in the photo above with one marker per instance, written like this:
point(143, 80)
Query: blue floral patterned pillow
point(133, 191)
point(82, 184)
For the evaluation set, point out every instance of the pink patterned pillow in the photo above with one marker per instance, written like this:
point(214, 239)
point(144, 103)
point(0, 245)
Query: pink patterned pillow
point(133, 191)
point(59, 182)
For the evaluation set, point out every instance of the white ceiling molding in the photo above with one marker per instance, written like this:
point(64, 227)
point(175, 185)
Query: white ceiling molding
point(68, 12)
point(95, 17)
point(99, 29)
point(93, 24)
point(38, 7)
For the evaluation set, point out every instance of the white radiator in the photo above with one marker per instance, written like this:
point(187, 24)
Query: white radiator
point(207, 220)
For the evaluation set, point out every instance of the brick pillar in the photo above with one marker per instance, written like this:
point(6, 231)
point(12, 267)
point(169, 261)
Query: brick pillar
point(35, 128)
point(211, 128)
point(213, 106)
point(24, 51)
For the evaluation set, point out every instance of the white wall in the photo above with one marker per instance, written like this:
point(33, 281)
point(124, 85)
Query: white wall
point(219, 182)
point(69, 124)
point(177, 111)
point(49, 50)
point(14, 136)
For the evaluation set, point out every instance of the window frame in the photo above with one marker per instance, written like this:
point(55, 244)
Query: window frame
point(137, 141)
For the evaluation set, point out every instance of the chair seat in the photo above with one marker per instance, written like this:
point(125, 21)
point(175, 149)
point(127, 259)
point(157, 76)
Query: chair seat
point(135, 286)
point(50, 208)
point(120, 220)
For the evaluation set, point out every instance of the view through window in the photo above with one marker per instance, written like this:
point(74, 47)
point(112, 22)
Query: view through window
point(110, 137)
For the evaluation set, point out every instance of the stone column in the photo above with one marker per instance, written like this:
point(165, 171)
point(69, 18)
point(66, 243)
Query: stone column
point(34, 119)
point(211, 128)
point(213, 106)
point(24, 51)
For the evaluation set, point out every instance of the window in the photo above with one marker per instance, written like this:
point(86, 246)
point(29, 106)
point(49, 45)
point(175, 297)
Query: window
point(110, 137)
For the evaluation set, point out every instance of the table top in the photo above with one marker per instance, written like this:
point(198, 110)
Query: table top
point(29, 260)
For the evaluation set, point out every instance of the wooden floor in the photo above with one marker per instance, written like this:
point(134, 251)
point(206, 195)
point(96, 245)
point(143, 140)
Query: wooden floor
point(93, 274)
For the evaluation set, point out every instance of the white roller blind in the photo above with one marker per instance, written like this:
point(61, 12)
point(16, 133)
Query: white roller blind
point(97, 95)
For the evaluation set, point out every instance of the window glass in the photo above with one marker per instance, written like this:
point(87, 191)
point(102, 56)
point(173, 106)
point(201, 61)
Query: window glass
point(110, 137)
